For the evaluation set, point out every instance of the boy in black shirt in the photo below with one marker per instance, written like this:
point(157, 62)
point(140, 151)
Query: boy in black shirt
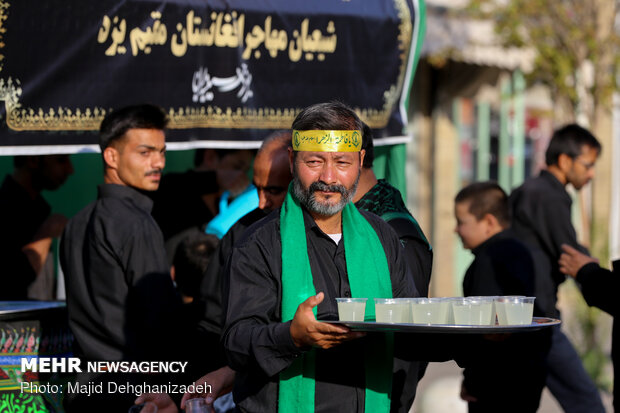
point(506, 373)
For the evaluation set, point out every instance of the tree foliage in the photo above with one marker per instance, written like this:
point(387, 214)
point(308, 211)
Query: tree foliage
point(576, 42)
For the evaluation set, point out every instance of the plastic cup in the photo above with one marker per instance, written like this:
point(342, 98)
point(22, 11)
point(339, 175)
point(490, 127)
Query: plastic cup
point(515, 310)
point(198, 405)
point(429, 311)
point(500, 307)
point(351, 309)
point(392, 310)
point(473, 311)
point(446, 302)
point(405, 304)
point(486, 298)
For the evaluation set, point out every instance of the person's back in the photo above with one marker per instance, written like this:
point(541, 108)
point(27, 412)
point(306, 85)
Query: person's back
point(28, 228)
point(541, 217)
point(541, 210)
point(502, 266)
point(111, 312)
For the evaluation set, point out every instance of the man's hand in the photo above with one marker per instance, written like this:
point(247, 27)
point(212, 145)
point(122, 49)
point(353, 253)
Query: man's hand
point(306, 331)
point(52, 227)
point(221, 382)
point(466, 396)
point(36, 251)
point(572, 260)
point(162, 400)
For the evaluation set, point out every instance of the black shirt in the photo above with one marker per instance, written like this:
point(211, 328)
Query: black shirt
point(120, 297)
point(178, 203)
point(21, 218)
point(259, 345)
point(504, 266)
point(599, 287)
point(214, 282)
point(541, 217)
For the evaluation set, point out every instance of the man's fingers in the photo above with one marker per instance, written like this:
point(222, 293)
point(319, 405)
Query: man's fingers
point(329, 341)
point(568, 249)
point(326, 328)
point(313, 301)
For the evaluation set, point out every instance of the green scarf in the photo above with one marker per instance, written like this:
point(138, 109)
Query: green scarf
point(369, 277)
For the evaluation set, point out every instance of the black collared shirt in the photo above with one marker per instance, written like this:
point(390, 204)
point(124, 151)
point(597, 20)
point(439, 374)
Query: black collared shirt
point(503, 266)
point(541, 217)
point(120, 297)
point(259, 345)
point(21, 218)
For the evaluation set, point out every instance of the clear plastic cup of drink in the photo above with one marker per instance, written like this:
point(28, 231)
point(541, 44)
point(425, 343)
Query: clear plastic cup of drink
point(500, 307)
point(446, 302)
point(351, 309)
point(407, 304)
point(487, 298)
point(429, 311)
point(515, 310)
point(473, 311)
point(392, 310)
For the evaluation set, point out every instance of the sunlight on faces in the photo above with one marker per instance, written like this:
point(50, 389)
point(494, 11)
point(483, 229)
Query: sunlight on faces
point(138, 158)
point(582, 167)
point(324, 182)
point(472, 231)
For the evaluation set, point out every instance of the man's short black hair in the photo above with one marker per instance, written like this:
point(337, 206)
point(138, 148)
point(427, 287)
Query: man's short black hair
point(368, 146)
point(117, 123)
point(486, 198)
point(569, 140)
point(328, 116)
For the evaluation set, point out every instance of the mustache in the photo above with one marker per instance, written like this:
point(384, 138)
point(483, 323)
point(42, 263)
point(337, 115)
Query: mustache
point(322, 186)
point(153, 172)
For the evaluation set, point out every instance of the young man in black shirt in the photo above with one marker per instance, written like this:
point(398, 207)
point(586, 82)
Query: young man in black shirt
point(121, 301)
point(541, 211)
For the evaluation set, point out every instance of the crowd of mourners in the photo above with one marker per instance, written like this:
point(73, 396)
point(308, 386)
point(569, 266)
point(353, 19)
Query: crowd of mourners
point(235, 265)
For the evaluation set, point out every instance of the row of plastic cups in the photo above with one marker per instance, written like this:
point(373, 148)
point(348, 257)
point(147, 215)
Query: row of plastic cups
point(508, 310)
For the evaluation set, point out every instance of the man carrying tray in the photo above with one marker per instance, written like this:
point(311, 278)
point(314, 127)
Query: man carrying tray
point(289, 268)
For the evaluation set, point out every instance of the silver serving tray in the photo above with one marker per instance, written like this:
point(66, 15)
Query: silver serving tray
point(538, 323)
point(11, 307)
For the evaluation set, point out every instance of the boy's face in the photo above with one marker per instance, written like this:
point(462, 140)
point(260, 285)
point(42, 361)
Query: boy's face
point(471, 231)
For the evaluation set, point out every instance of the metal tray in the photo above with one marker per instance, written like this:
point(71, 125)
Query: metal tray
point(538, 323)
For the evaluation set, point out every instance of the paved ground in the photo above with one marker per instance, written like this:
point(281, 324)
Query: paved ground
point(438, 392)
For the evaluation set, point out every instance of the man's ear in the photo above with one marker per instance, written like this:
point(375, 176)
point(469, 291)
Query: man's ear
point(491, 221)
point(291, 159)
point(564, 162)
point(111, 157)
point(362, 155)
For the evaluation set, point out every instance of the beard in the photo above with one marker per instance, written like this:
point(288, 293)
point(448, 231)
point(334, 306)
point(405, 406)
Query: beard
point(307, 197)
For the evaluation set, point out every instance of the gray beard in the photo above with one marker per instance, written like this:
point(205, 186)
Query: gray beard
point(308, 199)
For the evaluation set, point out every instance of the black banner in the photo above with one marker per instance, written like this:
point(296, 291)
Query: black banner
point(227, 72)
